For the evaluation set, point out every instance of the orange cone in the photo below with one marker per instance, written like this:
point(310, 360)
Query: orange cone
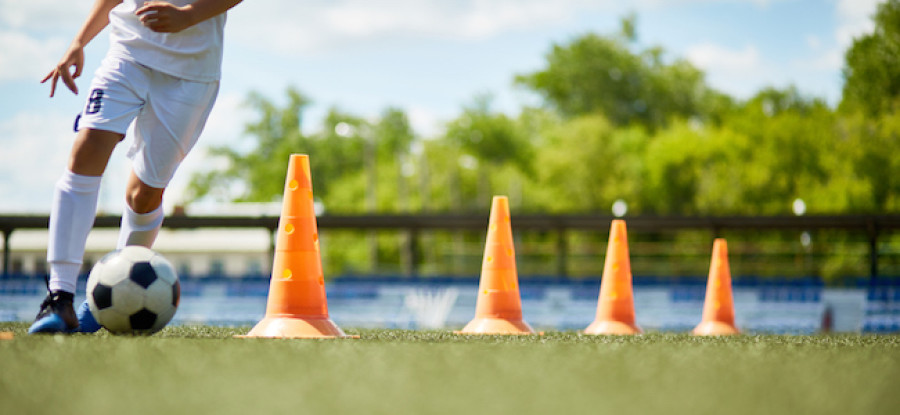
point(499, 306)
point(718, 309)
point(615, 307)
point(297, 307)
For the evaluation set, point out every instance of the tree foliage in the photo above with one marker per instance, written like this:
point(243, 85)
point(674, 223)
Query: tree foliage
point(872, 65)
point(621, 122)
point(604, 74)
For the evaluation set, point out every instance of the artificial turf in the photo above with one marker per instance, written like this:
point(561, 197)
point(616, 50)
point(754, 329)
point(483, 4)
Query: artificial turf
point(204, 370)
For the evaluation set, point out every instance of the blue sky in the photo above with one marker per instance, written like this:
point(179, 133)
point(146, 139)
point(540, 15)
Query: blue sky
point(428, 57)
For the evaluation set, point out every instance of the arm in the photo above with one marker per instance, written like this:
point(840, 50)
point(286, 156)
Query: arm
point(164, 17)
point(74, 57)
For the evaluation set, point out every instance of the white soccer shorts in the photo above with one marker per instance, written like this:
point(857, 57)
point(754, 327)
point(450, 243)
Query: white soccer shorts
point(168, 113)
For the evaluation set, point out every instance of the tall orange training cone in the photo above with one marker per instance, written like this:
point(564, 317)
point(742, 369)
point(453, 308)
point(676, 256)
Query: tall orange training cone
point(297, 307)
point(615, 307)
point(499, 306)
point(718, 308)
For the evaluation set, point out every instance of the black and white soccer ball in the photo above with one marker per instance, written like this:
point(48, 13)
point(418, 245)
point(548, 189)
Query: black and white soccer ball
point(133, 291)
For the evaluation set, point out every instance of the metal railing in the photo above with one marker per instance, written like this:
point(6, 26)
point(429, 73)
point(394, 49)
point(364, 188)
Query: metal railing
point(871, 225)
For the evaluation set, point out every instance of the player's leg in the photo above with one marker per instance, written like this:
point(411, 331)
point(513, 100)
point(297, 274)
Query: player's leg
point(165, 132)
point(143, 213)
point(113, 102)
point(71, 219)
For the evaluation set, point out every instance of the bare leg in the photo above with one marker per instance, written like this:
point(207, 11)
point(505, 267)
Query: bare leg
point(143, 215)
point(91, 151)
point(75, 205)
point(141, 197)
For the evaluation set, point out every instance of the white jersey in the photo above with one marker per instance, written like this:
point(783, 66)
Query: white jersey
point(194, 54)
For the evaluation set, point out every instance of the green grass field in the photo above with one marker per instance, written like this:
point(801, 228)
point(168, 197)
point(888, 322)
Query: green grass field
point(203, 370)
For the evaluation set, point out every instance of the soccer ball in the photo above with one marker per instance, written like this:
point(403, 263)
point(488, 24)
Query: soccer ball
point(133, 291)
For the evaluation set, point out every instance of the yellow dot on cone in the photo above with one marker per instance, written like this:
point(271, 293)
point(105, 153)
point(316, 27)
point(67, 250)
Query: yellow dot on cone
point(510, 252)
point(615, 267)
point(289, 228)
point(287, 274)
point(494, 227)
point(293, 184)
point(717, 304)
point(490, 259)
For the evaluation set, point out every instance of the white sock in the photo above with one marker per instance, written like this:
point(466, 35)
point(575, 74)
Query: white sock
point(139, 228)
point(71, 219)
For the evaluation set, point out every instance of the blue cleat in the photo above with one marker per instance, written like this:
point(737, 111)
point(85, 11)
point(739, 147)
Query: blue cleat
point(57, 314)
point(86, 321)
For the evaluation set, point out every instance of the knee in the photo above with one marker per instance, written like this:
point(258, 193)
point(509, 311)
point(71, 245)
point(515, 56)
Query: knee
point(143, 199)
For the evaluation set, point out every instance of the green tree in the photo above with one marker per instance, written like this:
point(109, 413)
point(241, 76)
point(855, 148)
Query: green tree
point(586, 164)
point(871, 145)
point(489, 141)
point(870, 107)
point(257, 175)
point(788, 153)
point(603, 74)
point(353, 160)
point(872, 65)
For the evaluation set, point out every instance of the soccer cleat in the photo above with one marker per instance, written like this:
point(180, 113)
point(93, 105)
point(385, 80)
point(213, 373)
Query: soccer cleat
point(57, 314)
point(86, 321)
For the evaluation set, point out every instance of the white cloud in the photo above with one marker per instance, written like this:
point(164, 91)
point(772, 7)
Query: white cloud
point(741, 72)
point(314, 26)
point(712, 57)
point(23, 57)
point(424, 121)
point(35, 149)
point(320, 25)
point(309, 27)
point(813, 42)
point(43, 15)
point(854, 19)
point(830, 60)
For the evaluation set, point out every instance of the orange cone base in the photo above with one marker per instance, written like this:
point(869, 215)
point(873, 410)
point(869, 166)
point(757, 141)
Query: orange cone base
point(615, 328)
point(715, 328)
point(489, 325)
point(296, 328)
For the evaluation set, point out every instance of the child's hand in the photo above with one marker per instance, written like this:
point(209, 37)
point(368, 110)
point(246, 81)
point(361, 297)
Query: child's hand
point(73, 57)
point(163, 17)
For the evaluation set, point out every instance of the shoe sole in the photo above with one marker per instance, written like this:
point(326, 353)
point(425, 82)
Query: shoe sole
point(49, 325)
point(86, 321)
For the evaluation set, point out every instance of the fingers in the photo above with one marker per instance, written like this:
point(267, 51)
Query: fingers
point(157, 24)
point(154, 6)
point(69, 81)
point(152, 18)
point(162, 17)
point(53, 84)
point(54, 74)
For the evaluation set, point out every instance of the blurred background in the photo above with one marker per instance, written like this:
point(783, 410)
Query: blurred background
point(772, 123)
